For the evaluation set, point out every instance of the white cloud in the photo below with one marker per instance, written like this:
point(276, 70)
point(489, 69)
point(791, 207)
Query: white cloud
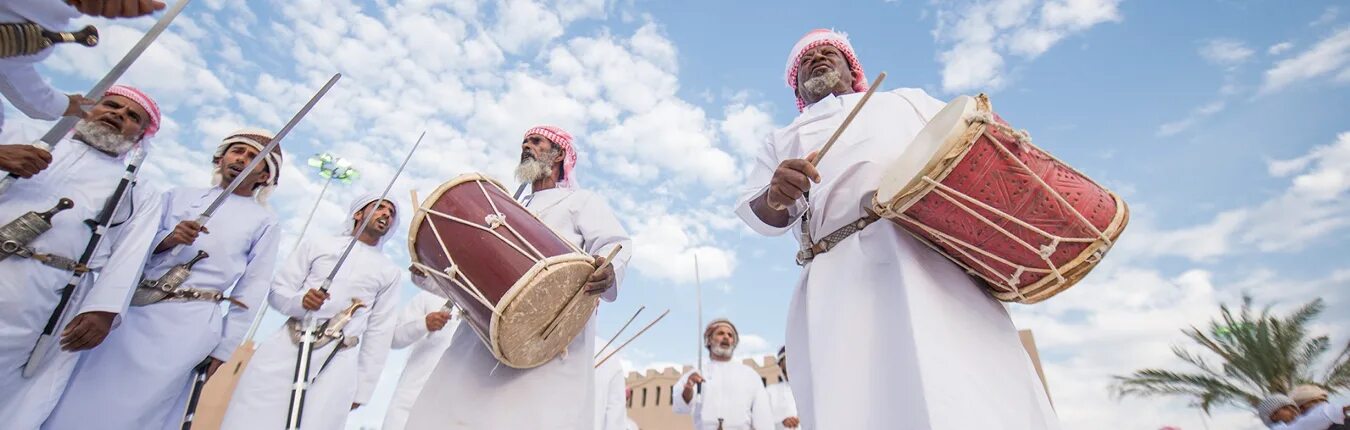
point(1328, 16)
point(1328, 56)
point(1279, 48)
point(1225, 52)
point(979, 34)
point(1200, 113)
point(525, 23)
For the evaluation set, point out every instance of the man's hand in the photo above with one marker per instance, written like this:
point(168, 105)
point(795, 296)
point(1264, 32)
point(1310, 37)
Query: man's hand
point(791, 180)
point(791, 422)
point(24, 160)
point(688, 393)
point(437, 320)
point(355, 405)
point(314, 299)
point(185, 233)
point(211, 368)
point(117, 8)
point(76, 105)
point(600, 280)
point(86, 331)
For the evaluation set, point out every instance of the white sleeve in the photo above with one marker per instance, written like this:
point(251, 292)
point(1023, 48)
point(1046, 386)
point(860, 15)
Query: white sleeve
point(600, 232)
point(375, 345)
point(122, 256)
point(615, 410)
point(680, 406)
point(761, 411)
point(412, 323)
point(757, 183)
point(250, 289)
point(288, 284)
point(925, 106)
point(23, 87)
point(1319, 419)
point(428, 285)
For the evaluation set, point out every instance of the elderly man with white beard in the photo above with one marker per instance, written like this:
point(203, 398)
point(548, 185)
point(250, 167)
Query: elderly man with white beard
point(470, 389)
point(927, 329)
point(85, 168)
point(732, 396)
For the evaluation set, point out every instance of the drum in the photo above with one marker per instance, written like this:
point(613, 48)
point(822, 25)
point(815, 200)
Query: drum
point(513, 276)
point(981, 194)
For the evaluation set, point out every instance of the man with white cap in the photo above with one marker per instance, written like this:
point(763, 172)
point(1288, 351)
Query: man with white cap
point(931, 331)
point(86, 168)
point(732, 396)
point(426, 324)
point(781, 398)
point(361, 300)
point(20, 82)
point(181, 325)
point(1315, 408)
point(470, 389)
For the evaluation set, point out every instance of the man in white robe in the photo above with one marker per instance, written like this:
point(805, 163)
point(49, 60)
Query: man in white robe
point(262, 398)
point(85, 168)
point(20, 82)
point(469, 389)
point(610, 402)
point(927, 329)
point(427, 325)
point(781, 399)
point(732, 396)
point(158, 344)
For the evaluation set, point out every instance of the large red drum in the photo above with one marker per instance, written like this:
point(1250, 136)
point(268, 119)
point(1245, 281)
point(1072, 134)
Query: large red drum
point(513, 276)
point(983, 195)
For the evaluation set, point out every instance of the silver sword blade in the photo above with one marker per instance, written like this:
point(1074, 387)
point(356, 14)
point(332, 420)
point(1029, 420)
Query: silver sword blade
point(365, 219)
point(68, 123)
point(276, 140)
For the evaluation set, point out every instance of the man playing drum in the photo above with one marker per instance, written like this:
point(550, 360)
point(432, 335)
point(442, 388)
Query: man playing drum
point(361, 302)
point(86, 167)
point(930, 332)
point(470, 389)
point(183, 326)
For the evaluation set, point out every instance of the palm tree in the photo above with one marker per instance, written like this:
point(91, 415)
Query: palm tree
point(1257, 354)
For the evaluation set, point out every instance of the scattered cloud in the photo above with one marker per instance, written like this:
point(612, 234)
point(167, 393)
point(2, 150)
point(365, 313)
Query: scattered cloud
point(1225, 52)
point(1328, 57)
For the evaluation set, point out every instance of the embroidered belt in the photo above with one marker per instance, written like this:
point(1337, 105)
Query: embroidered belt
point(297, 330)
point(68, 264)
point(147, 294)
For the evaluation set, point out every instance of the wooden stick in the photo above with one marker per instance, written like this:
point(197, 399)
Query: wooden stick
point(616, 334)
point(630, 340)
point(849, 119)
point(553, 324)
point(698, 295)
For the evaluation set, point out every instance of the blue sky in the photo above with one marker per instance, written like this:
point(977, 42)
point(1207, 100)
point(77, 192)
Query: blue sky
point(1222, 123)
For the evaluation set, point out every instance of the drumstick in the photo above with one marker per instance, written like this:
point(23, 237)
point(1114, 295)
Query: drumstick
point(616, 334)
point(553, 324)
point(839, 131)
point(639, 333)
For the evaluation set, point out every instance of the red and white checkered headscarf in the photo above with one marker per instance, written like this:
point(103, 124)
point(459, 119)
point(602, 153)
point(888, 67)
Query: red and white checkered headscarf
point(146, 103)
point(817, 38)
point(564, 140)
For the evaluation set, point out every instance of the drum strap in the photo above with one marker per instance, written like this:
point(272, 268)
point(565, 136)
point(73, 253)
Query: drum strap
point(827, 243)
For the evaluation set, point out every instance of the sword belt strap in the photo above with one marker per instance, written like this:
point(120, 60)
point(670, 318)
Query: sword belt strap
point(51, 260)
point(188, 294)
point(297, 330)
point(809, 252)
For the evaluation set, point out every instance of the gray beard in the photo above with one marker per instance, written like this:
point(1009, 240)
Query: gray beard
point(533, 169)
point(103, 138)
point(821, 86)
point(722, 352)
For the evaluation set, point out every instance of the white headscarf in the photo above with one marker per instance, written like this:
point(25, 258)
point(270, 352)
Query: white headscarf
point(360, 204)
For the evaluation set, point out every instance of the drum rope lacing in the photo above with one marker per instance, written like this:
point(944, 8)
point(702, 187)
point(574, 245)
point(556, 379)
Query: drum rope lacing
point(985, 118)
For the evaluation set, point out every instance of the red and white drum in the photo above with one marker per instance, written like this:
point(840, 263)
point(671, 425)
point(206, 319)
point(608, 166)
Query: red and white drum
point(983, 195)
point(513, 276)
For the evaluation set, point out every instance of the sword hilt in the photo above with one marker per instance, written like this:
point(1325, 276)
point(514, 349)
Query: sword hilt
point(87, 36)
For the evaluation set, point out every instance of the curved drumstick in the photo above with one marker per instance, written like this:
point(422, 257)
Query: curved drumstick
point(630, 340)
point(616, 334)
point(849, 119)
point(553, 324)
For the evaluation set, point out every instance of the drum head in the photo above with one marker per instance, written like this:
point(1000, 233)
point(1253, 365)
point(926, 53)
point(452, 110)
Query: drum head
point(934, 143)
point(517, 335)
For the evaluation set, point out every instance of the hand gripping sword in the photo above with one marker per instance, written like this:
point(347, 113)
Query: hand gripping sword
point(267, 150)
point(305, 350)
point(100, 227)
point(66, 124)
